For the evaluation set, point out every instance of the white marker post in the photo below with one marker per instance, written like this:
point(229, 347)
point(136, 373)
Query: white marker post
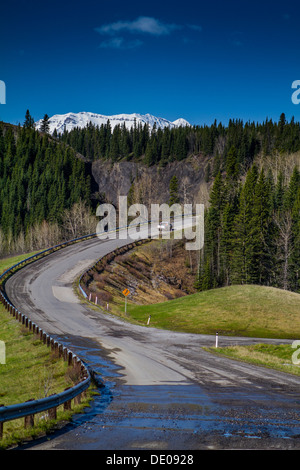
point(217, 338)
point(148, 322)
point(2, 353)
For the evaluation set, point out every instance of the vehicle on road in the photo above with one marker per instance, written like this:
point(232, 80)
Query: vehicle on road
point(165, 226)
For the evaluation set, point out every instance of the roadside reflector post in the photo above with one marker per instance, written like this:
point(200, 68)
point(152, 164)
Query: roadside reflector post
point(217, 339)
point(148, 322)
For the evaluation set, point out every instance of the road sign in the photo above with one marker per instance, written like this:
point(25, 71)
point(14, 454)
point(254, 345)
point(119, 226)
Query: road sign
point(126, 292)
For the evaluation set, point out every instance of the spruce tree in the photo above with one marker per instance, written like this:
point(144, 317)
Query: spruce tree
point(241, 256)
point(258, 247)
point(29, 121)
point(213, 227)
point(173, 188)
point(45, 126)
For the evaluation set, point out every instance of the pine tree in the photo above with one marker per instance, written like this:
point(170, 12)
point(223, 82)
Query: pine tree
point(45, 126)
point(232, 166)
point(226, 243)
point(213, 227)
point(294, 265)
point(173, 188)
point(258, 247)
point(241, 256)
point(292, 190)
point(29, 121)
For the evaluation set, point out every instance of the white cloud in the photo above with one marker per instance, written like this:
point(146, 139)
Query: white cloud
point(143, 24)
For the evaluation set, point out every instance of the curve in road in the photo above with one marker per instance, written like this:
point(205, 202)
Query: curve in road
point(160, 390)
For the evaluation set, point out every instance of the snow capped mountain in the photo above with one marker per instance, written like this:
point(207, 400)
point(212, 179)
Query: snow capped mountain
point(71, 120)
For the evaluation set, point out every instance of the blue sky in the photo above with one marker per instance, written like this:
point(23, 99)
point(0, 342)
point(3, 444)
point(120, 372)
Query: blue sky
point(192, 59)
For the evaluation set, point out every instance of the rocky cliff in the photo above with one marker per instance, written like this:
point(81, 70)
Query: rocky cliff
point(150, 185)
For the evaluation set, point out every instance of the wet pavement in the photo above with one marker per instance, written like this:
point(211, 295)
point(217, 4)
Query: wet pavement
point(172, 417)
point(158, 390)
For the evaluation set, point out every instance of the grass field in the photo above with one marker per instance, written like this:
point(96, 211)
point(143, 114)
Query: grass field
point(30, 371)
point(249, 310)
point(6, 263)
point(279, 357)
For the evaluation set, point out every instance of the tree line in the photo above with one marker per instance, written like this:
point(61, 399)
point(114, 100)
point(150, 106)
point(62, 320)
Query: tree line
point(39, 180)
point(161, 146)
point(252, 229)
point(252, 224)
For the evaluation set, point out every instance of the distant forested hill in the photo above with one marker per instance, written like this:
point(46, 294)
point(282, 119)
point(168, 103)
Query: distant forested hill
point(167, 145)
point(252, 222)
point(39, 180)
point(251, 174)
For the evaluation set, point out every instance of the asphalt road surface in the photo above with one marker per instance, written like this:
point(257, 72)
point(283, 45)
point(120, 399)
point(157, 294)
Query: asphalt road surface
point(160, 389)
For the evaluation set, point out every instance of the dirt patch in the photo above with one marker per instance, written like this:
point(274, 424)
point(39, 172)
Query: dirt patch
point(155, 272)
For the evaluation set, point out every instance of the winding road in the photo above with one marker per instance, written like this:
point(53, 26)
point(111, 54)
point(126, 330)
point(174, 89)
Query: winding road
point(160, 389)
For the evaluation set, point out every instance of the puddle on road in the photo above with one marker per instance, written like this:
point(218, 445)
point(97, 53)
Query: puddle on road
point(175, 416)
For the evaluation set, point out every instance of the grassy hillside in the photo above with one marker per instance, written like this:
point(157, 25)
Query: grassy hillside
point(31, 371)
point(248, 310)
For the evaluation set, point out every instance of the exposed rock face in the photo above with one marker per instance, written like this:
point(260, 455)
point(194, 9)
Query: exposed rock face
point(150, 185)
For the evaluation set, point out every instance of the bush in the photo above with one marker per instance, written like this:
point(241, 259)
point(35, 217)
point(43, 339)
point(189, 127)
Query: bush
point(104, 296)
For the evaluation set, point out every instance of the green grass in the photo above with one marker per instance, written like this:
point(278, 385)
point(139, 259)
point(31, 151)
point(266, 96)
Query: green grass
point(31, 371)
point(279, 357)
point(6, 263)
point(249, 310)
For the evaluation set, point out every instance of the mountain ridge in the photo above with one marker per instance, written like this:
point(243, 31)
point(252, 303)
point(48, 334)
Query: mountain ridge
point(69, 121)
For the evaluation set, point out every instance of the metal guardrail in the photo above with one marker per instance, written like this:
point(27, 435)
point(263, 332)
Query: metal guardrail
point(28, 409)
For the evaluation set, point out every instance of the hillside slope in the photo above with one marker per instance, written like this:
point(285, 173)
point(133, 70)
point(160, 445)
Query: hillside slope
point(248, 310)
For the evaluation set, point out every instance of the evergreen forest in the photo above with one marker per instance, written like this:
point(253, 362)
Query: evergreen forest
point(252, 222)
point(252, 230)
point(39, 180)
point(161, 146)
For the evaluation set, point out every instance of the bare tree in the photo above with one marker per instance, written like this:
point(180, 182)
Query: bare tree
point(78, 221)
point(284, 245)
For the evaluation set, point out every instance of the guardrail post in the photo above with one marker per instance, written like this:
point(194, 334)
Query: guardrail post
point(70, 358)
point(29, 420)
point(77, 399)
point(67, 404)
point(65, 353)
point(52, 412)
